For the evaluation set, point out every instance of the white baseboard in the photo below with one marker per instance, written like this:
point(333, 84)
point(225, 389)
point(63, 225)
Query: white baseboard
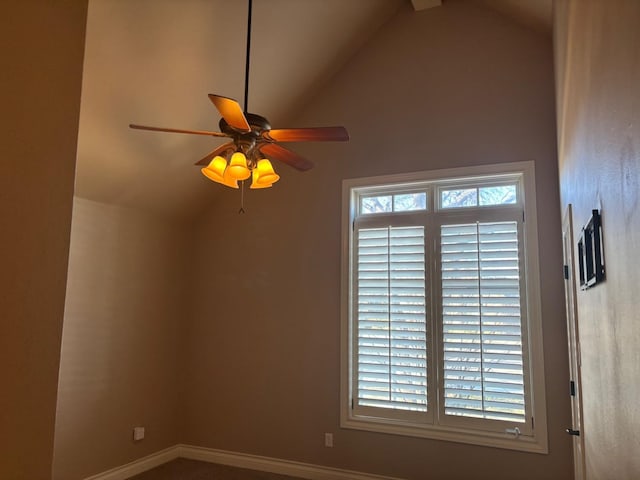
point(234, 459)
point(273, 465)
point(138, 466)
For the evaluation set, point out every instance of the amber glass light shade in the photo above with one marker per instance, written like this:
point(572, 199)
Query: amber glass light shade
point(218, 172)
point(215, 170)
point(237, 168)
point(228, 181)
point(255, 180)
point(266, 174)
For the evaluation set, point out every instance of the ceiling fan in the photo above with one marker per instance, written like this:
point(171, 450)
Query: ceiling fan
point(253, 140)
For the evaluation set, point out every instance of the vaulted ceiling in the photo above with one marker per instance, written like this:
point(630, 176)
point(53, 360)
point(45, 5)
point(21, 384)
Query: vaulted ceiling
point(153, 62)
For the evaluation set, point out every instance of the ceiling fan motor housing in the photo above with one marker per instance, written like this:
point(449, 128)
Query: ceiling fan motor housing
point(246, 141)
point(257, 123)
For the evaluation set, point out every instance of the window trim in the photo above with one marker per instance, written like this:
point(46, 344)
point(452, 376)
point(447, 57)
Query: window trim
point(533, 335)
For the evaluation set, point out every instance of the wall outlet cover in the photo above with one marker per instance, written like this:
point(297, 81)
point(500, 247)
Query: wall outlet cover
point(138, 434)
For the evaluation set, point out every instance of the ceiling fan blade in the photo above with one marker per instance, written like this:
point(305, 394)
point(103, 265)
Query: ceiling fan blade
point(287, 156)
point(319, 134)
point(217, 151)
point(231, 112)
point(177, 130)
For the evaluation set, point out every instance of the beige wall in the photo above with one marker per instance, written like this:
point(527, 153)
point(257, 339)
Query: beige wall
point(120, 356)
point(598, 60)
point(41, 46)
point(452, 86)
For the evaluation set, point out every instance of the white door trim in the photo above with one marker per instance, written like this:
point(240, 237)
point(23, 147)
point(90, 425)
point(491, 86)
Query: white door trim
point(573, 345)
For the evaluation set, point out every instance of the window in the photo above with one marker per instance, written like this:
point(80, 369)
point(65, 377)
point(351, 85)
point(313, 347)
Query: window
point(441, 326)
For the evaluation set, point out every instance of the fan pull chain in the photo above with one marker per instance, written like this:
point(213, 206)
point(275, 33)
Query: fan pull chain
point(241, 198)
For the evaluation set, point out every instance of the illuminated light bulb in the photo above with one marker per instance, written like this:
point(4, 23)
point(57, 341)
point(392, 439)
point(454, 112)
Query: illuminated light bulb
point(237, 168)
point(266, 174)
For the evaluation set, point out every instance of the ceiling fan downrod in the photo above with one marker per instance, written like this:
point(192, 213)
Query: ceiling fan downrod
point(246, 72)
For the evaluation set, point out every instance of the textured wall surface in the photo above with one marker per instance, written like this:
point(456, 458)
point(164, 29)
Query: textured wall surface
point(598, 73)
point(120, 355)
point(453, 86)
point(41, 46)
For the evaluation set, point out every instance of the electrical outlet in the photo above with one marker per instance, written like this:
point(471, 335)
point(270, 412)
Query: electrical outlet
point(328, 439)
point(138, 434)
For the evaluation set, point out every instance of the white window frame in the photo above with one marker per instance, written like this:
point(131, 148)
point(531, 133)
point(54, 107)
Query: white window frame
point(531, 437)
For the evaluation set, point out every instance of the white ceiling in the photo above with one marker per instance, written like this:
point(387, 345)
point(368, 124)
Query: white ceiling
point(153, 62)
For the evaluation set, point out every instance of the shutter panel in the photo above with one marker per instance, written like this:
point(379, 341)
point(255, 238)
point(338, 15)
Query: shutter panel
point(482, 339)
point(391, 319)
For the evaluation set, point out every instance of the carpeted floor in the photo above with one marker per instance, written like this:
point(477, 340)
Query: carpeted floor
point(183, 469)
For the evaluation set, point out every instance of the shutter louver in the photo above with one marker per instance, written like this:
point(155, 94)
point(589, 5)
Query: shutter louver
point(482, 339)
point(391, 319)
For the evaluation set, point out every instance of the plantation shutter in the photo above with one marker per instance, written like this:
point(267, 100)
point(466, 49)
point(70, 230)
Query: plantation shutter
point(391, 318)
point(481, 321)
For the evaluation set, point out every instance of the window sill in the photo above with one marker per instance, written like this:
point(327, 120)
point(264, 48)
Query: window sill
point(523, 443)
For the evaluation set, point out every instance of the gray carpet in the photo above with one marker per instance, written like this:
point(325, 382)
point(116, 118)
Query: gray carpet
point(183, 469)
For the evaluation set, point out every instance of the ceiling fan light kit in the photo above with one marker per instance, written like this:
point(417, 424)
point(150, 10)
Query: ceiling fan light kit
point(252, 142)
